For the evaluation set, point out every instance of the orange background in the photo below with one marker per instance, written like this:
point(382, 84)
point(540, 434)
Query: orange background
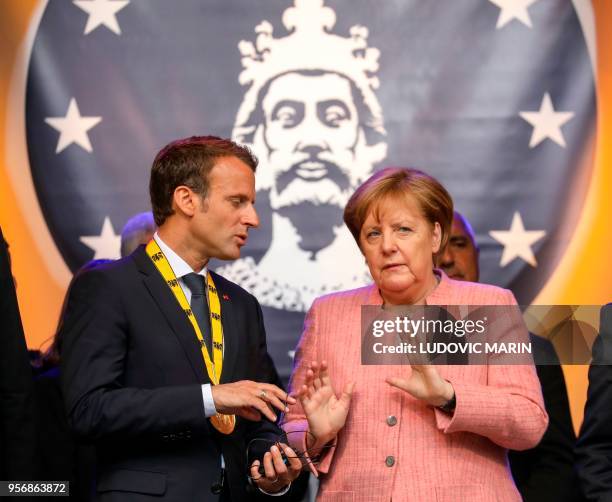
point(583, 277)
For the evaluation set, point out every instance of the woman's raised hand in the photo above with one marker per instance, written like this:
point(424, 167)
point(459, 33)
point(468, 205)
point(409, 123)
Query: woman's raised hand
point(326, 413)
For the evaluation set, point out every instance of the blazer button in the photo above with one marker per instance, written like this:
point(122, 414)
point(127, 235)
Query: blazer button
point(390, 461)
point(391, 420)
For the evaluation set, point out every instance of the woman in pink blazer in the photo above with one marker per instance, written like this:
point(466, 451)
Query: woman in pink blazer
point(407, 433)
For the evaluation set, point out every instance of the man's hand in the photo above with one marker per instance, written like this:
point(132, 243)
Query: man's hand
point(279, 469)
point(250, 399)
point(426, 384)
point(326, 413)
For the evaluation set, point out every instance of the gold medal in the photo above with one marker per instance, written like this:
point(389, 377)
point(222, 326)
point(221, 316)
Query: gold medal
point(225, 424)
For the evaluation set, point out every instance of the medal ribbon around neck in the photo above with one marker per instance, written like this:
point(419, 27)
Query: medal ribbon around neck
point(223, 423)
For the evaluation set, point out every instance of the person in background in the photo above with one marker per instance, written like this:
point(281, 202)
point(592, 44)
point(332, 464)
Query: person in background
point(546, 472)
point(138, 230)
point(594, 447)
point(17, 405)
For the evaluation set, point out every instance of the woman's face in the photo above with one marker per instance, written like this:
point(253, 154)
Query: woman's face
point(398, 243)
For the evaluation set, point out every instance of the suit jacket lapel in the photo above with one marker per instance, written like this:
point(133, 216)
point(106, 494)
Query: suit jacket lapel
point(173, 313)
point(230, 331)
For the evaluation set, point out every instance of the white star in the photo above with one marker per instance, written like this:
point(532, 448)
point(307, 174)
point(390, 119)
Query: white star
point(73, 128)
point(107, 244)
point(513, 9)
point(101, 12)
point(546, 123)
point(517, 241)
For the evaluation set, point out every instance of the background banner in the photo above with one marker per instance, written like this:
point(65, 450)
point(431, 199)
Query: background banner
point(503, 104)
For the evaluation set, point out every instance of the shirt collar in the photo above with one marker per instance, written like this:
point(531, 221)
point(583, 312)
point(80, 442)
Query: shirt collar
point(179, 266)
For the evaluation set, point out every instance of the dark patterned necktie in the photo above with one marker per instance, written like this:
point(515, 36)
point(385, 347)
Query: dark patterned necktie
point(199, 305)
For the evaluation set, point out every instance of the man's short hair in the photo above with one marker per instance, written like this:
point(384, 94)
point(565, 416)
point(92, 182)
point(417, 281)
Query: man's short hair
point(188, 162)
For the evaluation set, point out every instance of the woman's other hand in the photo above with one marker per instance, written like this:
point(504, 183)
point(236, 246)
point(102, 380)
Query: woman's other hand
point(426, 384)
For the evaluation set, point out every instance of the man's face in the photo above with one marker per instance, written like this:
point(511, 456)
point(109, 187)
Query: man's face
point(460, 258)
point(311, 129)
point(222, 220)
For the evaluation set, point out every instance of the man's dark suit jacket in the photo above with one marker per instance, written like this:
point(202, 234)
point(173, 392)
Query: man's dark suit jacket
point(594, 448)
point(17, 412)
point(132, 373)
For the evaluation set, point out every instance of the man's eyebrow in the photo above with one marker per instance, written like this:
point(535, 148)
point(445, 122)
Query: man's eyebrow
point(240, 196)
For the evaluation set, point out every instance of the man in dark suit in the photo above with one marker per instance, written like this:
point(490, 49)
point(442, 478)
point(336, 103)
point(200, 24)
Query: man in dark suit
point(146, 336)
point(594, 447)
point(545, 472)
point(17, 426)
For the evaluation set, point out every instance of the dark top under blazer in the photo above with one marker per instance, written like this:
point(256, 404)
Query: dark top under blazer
point(132, 373)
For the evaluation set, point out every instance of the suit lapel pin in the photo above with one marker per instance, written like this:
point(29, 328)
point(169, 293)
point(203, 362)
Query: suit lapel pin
point(225, 297)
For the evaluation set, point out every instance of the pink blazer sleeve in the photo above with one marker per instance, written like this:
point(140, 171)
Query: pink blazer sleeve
point(509, 409)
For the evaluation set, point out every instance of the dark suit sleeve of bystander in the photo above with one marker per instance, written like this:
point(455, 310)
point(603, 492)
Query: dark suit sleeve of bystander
point(594, 447)
point(17, 420)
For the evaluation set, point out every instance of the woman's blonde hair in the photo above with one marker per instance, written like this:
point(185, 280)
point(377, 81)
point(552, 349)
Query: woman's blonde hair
point(396, 183)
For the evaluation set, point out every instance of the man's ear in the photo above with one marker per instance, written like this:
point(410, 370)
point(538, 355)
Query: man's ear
point(184, 200)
